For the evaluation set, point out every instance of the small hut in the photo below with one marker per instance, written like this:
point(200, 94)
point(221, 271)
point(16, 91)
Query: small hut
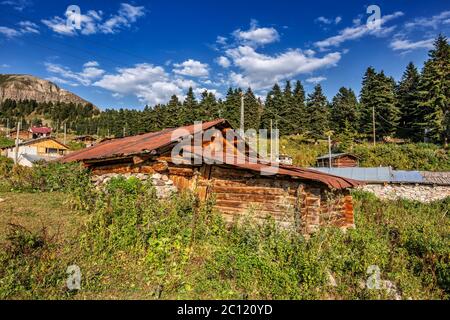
point(300, 198)
point(87, 140)
point(338, 160)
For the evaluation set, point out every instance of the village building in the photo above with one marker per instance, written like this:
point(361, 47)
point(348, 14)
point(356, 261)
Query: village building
point(296, 198)
point(39, 132)
point(338, 160)
point(32, 151)
point(87, 140)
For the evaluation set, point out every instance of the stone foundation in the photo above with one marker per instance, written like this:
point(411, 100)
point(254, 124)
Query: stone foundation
point(163, 185)
point(421, 193)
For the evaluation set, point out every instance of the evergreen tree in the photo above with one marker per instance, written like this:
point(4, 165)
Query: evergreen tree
point(252, 112)
point(208, 107)
point(411, 115)
point(271, 111)
point(174, 113)
point(318, 110)
point(231, 107)
point(344, 111)
point(378, 94)
point(191, 110)
point(285, 123)
point(298, 113)
point(434, 91)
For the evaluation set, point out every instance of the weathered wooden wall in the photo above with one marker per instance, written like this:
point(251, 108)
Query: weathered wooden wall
point(339, 162)
point(294, 203)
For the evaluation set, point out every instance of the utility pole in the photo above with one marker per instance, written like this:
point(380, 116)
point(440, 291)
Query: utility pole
point(242, 114)
point(65, 132)
point(329, 151)
point(16, 152)
point(124, 132)
point(373, 126)
point(271, 139)
point(7, 127)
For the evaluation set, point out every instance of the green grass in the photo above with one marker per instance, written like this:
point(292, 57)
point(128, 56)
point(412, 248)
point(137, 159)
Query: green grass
point(6, 142)
point(129, 245)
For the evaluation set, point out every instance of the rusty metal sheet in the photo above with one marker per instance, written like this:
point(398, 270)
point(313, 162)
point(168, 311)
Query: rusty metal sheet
point(152, 141)
point(134, 144)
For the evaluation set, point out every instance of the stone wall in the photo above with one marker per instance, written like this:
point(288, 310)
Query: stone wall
point(421, 193)
point(163, 185)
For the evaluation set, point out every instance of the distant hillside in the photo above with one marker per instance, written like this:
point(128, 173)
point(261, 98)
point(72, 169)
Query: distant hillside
point(25, 87)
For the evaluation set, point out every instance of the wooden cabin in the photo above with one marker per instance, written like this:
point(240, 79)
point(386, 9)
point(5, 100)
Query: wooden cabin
point(296, 198)
point(87, 140)
point(32, 151)
point(338, 160)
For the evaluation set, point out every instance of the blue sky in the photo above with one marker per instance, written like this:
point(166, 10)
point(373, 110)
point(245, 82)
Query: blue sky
point(128, 54)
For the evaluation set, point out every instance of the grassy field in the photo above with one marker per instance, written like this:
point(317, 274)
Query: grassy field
point(130, 246)
point(35, 211)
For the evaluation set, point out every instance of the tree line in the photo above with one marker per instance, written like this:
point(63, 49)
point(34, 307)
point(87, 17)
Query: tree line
point(415, 108)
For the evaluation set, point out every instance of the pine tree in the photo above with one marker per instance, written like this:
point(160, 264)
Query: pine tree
point(298, 112)
point(231, 107)
point(378, 94)
point(208, 107)
point(252, 114)
point(411, 115)
point(318, 110)
point(434, 91)
point(190, 108)
point(174, 112)
point(272, 108)
point(344, 111)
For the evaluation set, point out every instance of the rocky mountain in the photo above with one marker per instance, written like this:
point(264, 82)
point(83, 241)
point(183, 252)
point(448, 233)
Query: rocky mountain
point(23, 87)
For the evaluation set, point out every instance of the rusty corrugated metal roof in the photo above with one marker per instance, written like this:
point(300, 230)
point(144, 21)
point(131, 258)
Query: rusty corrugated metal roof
point(136, 144)
point(41, 130)
point(152, 141)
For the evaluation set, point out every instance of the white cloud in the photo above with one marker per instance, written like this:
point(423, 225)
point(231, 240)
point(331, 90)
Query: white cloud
point(261, 71)
point(256, 36)
point(85, 77)
point(324, 20)
point(28, 27)
point(24, 27)
point(359, 31)
point(191, 68)
point(62, 81)
point(221, 40)
point(9, 32)
point(431, 22)
point(92, 22)
point(5, 65)
point(58, 25)
point(224, 62)
point(18, 5)
point(91, 64)
point(407, 45)
point(150, 84)
point(316, 80)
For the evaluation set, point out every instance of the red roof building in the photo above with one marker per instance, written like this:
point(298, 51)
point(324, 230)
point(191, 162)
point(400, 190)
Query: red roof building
point(40, 132)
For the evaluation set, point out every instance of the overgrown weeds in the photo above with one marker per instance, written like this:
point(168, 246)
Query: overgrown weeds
point(137, 246)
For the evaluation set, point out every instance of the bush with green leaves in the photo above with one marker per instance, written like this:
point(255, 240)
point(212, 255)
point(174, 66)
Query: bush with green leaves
point(44, 177)
point(420, 156)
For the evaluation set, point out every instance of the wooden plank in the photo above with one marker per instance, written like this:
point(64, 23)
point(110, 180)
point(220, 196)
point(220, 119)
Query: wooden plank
point(252, 190)
point(254, 197)
point(263, 206)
